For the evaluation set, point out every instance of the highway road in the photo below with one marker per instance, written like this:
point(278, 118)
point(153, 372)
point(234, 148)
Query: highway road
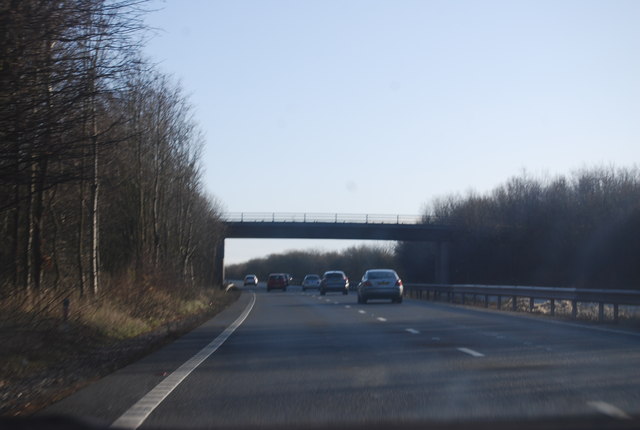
point(303, 360)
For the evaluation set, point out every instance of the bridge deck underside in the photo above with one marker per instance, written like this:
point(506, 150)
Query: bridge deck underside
point(290, 230)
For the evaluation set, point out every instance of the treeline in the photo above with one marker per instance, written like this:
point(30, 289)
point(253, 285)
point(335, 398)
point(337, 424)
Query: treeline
point(100, 178)
point(353, 261)
point(581, 230)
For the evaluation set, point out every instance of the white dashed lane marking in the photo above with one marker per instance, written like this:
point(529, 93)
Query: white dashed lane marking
point(412, 330)
point(609, 410)
point(381, 319)
point(361, 311)
point(347, 306)
point(471, 352)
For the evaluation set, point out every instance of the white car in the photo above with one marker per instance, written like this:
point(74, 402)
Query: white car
point(251, 280)
point(311, 281)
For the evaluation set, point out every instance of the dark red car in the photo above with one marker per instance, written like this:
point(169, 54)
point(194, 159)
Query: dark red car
point(277, 280)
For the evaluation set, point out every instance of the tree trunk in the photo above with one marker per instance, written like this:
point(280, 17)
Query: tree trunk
point(95, 192)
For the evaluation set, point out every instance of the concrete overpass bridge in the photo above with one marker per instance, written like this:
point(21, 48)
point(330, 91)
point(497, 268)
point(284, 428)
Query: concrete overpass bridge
point(405, 228)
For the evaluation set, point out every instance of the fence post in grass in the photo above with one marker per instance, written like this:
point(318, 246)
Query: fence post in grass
point(514, 303)
point(499, 304)
point(462, 298)
point(615, 313)
point(531, 304)
point(65, 309)
point(574, 309)
point(553, 307)
point(486, 300)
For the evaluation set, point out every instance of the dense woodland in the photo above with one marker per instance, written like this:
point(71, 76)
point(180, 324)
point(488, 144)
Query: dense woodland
point(100, 179)
point(581, 230)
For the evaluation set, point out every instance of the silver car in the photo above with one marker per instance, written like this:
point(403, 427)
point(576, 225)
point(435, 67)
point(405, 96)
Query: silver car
point(251, 280)
point(311, 281)
point(380, 284)
point(334, 280)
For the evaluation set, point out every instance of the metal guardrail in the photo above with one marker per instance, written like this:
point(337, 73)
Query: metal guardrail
point(324, 218)
point(575, 295)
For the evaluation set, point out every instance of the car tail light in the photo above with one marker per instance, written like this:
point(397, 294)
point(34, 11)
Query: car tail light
point(366, 284)
point(399, 283)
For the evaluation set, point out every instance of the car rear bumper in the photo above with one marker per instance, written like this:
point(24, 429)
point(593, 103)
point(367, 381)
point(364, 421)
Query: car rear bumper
point(333, 288)
point(381, 293)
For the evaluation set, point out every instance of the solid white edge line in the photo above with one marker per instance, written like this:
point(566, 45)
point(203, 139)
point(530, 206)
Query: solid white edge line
point(412, 330)
point(609, 410)
point(471, 352)
point(140, 411)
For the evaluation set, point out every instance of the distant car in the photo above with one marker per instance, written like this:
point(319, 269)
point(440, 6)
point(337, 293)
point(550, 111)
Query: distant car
point(334, 280)
point(310, 281)
point(251, 280)
point(277, 281)
point(380, 284)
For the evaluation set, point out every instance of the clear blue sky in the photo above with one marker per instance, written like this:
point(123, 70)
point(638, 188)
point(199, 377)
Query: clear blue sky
point(366, 106)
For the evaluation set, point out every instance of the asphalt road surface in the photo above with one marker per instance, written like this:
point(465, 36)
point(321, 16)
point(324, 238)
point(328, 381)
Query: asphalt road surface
point(301, 360)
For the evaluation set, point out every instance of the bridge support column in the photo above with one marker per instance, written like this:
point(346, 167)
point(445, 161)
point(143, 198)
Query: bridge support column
point(218, 265)
point(442, 264)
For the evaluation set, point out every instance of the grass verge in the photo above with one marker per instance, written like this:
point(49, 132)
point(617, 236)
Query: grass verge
point(45, 357)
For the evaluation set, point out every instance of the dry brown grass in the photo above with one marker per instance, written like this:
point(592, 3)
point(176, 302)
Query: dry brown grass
point(39, 347)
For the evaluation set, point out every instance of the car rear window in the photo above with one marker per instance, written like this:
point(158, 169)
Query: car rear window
point(381, 274)
point(333, 276)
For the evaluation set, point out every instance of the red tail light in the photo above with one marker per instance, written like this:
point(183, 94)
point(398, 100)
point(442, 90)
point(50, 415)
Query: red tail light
point(366, 284)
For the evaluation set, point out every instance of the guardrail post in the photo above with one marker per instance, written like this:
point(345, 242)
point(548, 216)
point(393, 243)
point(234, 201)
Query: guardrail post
point(514, 303)
point(449, 296)
point(499, 305)
point(463, 298)
point(531, 304)
point(486, 300)
point(553, 306)
point(600, 312)
point(574, 309)
point(615, 313)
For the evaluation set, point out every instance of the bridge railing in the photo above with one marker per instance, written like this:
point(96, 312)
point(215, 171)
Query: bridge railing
point(471, 293)
point(323, 217)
